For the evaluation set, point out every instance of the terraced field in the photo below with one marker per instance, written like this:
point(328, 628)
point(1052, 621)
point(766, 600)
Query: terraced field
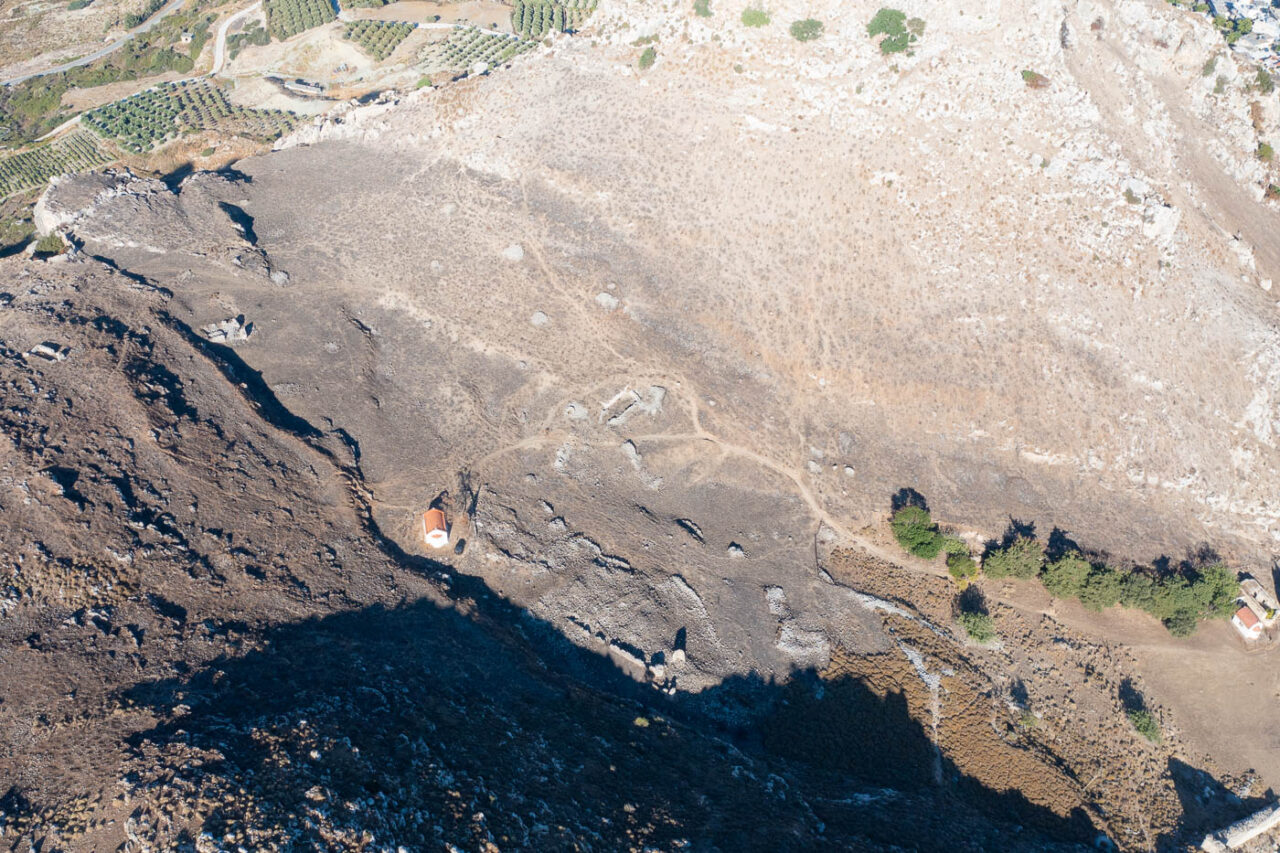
point(32, 169)
point(151, 118)
point(535, 18)
point(379, 39)
point(287, 18)
point(467, 46)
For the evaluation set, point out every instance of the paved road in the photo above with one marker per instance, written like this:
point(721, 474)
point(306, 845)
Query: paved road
point(219, 60)
point(164, 12)
point(220, 44)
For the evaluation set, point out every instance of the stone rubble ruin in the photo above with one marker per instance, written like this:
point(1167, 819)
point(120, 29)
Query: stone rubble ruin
point(228, 331)
point(49, 351)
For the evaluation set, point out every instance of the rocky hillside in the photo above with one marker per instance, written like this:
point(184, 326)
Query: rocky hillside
point(663, 343)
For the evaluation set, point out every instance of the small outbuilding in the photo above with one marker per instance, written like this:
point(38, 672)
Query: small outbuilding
point(1247, 623)
point(435, 528)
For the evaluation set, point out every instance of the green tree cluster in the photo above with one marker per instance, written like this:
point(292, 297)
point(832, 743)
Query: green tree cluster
point(133, 19)
point(1023, 558)
point(978, 626)
point(1177, 601)
point(1146, 725)
point(1233, 29)
point(899, 32)
point(961, 566)
point(915, 531)
point(807, 30)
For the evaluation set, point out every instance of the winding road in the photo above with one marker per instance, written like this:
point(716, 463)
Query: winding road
point(220, 43)
point(168, 9)
point(219, 60)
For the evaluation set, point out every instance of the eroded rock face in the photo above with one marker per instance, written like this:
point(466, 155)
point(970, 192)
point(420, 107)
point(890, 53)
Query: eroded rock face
point(119, 215)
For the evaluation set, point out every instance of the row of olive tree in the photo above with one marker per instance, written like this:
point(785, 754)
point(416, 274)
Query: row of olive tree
point(1178, 598)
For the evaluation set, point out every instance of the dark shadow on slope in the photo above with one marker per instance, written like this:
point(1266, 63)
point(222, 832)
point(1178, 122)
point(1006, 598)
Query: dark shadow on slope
point(1017, 529)
point(242, 220)
point(1130, 696)
point(173, 180)
point(1059, 545)
point(423, 709)
point(906, 497)
point(1207, 806)
point(971, 600)
point(253, 386)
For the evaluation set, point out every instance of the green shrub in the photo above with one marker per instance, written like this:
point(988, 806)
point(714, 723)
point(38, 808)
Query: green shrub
point(1265, 152)
point(1215, 589)
point(1182, 623)
point(1210, 65)
point(898, 32)
point(49, 245)
point(979, 627)
point(702, 8)
point(961, 566)
point(1263, 82)
point(1064, 578)
point(754, 17)
point(648, 58)
point(807, 30)
point(1146, 725)
point(915, 531)
point(1035, 80)
point(1022, 558)
point(1102, 588)
point(76, 5)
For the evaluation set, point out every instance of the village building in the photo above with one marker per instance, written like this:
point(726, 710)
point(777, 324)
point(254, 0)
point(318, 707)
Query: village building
point(1247, 623)
point(435, 528)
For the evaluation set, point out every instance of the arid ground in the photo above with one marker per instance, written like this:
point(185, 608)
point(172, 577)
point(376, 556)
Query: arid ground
point(663, 344)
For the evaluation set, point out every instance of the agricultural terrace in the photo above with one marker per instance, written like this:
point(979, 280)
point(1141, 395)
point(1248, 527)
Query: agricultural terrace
point(143, 121)
point(287, 18)
point(32, 169)
point(535, 18)
point(379, 39)
point(32, 108)
point(467, 45)
point(252, 34)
